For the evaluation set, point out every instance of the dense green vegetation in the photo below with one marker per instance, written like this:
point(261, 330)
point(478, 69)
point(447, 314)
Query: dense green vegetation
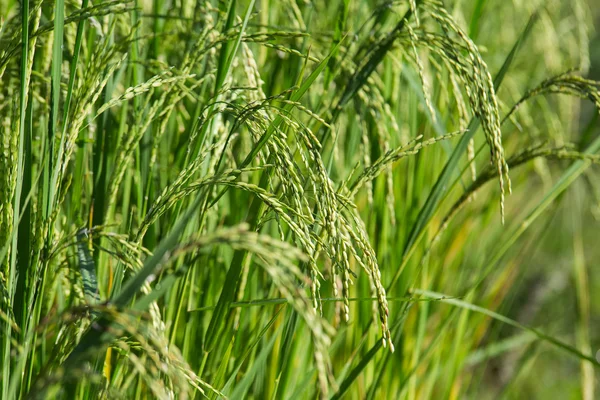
point(299, 199)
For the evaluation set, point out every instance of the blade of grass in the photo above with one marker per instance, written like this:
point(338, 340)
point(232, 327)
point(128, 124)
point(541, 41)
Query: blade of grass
point(24, 229)
point(582, 289)
point(249, 350)
point(542, 336)
point(56, 74)
point(366, 359)
point(499, 347)
point(241, 389)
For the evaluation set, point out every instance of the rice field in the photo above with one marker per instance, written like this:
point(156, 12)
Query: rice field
point(299, 199)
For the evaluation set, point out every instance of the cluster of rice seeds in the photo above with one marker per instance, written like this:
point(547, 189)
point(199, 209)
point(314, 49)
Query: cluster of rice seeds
point(356, 231)
point(292, 218)
point(230, 99)
point(327, 212)
point(340, 245)
point(154, 82)
point(264, 39)
point(6, 317)
point(160, 366)
point(38, 235)
point(171, 95)
point(391, 156)
point(160, 109)
point(457, 96)
point(180, 188)
point(252, 74)
point(286, 171)
point(421, 71)
point(320, 330)
point(280, 152)
point(566, 83)
point(312, 147)
point(342, 266)
point(463, 121)
point(13, 32)
point(202, 48)
point(307, 147)
point(476, 79)
point(342, 241)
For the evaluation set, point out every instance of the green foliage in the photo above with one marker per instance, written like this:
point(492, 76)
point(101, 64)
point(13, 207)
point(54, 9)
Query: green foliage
point(284, 199)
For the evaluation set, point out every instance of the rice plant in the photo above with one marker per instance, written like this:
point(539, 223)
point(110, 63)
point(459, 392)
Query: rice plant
point(299, 199)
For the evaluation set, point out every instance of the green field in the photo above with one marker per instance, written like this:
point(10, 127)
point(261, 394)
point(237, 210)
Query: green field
point(299, 199)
